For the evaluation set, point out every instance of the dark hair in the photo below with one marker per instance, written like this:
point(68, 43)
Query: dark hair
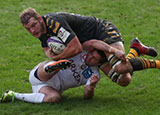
point(103, 57)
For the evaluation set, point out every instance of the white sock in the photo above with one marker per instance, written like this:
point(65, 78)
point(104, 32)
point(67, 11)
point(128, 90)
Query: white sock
point(30, 97)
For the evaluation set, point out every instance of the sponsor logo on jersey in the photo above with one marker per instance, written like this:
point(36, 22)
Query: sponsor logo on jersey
point(75, 74)
point(63, 34)
point(87, 73)
point(84, 57)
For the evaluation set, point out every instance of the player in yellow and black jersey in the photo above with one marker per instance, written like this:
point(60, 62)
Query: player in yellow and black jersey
point(66, 26)
point(71, 28)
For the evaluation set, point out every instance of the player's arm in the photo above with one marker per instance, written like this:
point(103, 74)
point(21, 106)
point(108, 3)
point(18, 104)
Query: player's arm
point(62, 29)
point(73, 48)
point(107, 49)
point(99, 45)
point(89, 89)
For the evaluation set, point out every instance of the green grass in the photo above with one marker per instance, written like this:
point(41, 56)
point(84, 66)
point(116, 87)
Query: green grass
point(20, 52)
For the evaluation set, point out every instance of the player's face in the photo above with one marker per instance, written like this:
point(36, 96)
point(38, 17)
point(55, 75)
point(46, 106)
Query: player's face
point(93, 58)
point(35, 27)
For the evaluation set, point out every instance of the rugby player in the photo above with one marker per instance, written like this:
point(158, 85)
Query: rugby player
point(120, 71)
point(72, 29)
point(50, 78)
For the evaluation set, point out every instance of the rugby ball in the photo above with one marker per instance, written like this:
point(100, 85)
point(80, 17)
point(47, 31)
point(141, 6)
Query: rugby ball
point(55, 44)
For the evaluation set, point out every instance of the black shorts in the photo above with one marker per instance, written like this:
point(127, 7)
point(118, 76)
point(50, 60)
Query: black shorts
point(110, 34)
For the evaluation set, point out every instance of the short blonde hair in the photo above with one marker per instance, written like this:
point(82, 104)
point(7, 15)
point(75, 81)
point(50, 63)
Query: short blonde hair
point(27, 14)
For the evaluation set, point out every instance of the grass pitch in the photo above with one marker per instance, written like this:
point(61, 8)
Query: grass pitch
point(20, 52)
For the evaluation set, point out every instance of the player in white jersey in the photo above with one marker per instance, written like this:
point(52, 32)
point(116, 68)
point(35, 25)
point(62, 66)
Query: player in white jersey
point(49, 79)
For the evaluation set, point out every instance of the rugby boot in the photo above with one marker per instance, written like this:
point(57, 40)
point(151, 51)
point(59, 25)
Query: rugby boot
point(7, 96)
point(143, 50)
point(61, 64)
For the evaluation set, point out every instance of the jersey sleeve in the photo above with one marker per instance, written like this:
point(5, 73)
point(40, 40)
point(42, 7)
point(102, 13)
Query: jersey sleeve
point(60, 28)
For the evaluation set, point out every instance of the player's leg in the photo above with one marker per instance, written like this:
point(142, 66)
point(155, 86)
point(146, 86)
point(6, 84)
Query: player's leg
point(46, 94)
point(125, 79)
point(51, 95)
point(142, 63)
point(39, 77)
point(120, 72)
point(43, 72)
point(37, 84)
point(133, 64)
point(138, 49)
point(120, 79)
point(119, 68)
point(10, 95)
point(54, 65)
point(47, 69)
point(108, 69)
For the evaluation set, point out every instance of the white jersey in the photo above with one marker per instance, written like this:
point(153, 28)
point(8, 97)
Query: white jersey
point(78, 74)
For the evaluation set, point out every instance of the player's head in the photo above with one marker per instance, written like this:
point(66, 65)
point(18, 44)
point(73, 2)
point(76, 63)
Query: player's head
point(33, 22)
point(95, 58)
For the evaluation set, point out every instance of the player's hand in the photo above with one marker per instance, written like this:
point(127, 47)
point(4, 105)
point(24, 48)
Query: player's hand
point(49, 53)
point(93, 80)
point(55, 57)
point(121, 55)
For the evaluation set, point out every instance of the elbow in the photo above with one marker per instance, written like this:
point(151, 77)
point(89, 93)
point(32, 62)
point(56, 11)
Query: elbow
point(56, 99)
point(53, 98)
point(79, 50)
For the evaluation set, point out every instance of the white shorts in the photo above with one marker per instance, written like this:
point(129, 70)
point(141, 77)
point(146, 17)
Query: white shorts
point(61, 81)
point(36, 83)
point(119, 44)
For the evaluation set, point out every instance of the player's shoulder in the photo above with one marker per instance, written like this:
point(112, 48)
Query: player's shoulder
point(66, 16)
point(49, 15)
point(56, 14)
point(56, 17)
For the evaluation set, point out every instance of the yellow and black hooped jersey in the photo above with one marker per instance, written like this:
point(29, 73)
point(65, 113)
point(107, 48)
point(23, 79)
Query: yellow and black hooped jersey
point(68, 25)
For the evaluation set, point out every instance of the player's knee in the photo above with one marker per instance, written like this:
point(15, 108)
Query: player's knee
point(123, 68)
point(53, 98)
point(117, 69)
point(125, 80)
point(114, 76)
